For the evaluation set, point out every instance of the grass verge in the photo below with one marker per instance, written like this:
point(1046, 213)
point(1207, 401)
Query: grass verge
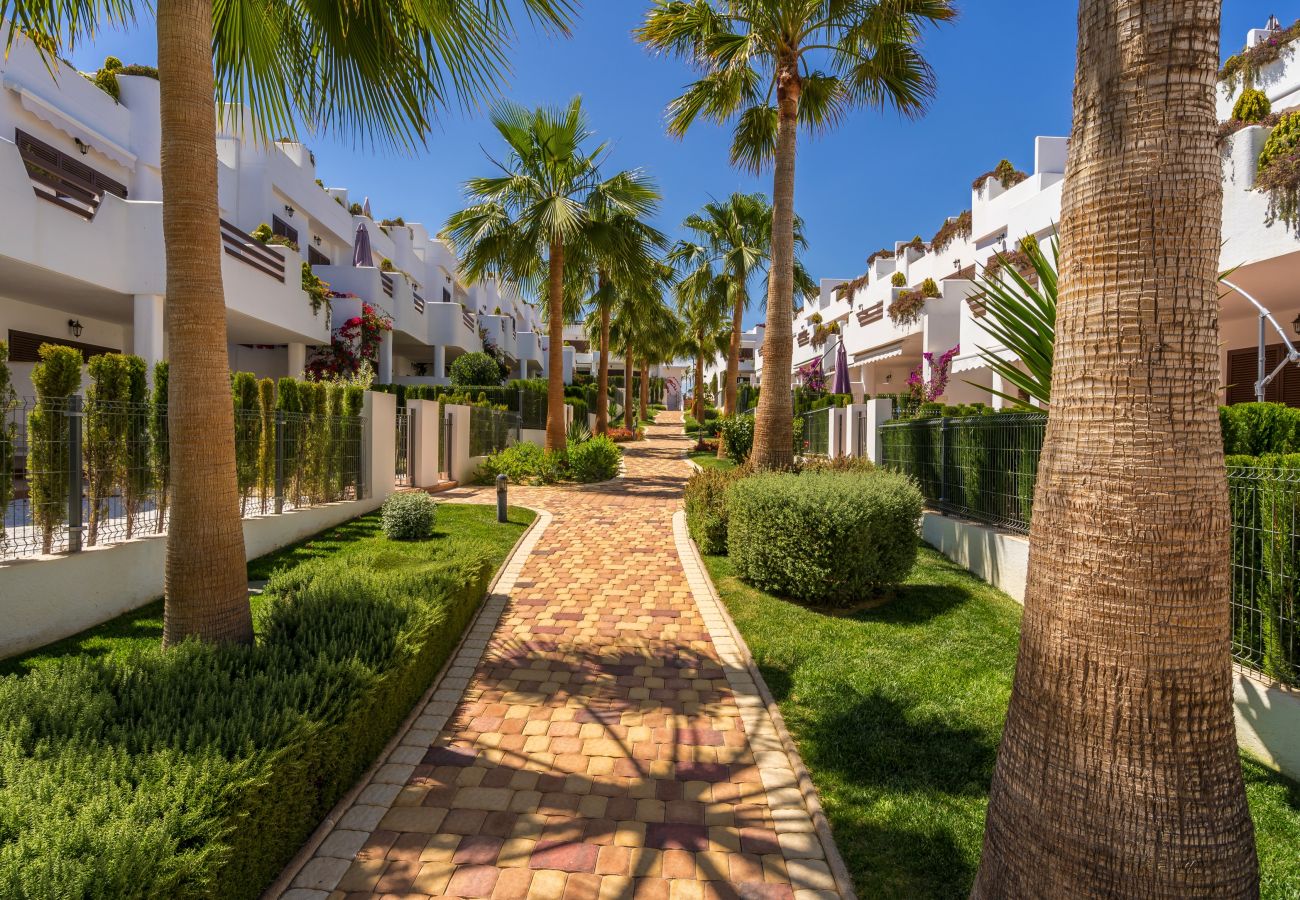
point(707, 460)
point(897, 712)
point(129, 772)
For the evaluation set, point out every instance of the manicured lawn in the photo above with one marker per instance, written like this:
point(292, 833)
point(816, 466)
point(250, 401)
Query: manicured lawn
point(897, 712)
point(142, 629)
point(708, 460)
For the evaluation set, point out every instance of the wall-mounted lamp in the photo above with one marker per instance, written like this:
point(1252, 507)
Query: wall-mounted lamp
point(82, 147)
point(889, 377)
point(956, 264)
point(316, 240)
point(288, 210)
point(1295, 325)
point(74, 325)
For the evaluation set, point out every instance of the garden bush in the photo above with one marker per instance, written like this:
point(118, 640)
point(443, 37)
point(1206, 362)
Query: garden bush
point(827, 538)
point(475, 369)
point(737, 436)
point(199, 772)
point(1253, 429)
point(594, 460)
point(409, 516)
point(706, 507)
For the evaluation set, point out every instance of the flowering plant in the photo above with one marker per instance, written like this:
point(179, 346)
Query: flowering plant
point(812, 376)
point(940, 370)
point(354, 345)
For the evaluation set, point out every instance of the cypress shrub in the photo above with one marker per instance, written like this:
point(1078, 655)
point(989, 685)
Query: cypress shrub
point(289, 400)
point(138, 474)
point(56, 377)
point(160, 438)
point(248, 435)
point(335, 398)
point(104, 435)
point(826, 538)
point(266, 442)
point(1253, 429)
point(200, 772)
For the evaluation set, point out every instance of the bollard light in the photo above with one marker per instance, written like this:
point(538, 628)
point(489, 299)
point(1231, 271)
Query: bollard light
point(501, 497)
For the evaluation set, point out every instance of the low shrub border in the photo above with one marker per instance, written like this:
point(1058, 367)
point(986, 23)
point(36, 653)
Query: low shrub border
point(201, 771)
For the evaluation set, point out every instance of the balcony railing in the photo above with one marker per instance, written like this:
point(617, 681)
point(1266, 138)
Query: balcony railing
point(418, 301)
point(387, 281)
point(251, 253)
point(63, 180)
point(468, 318)
point(869, 314)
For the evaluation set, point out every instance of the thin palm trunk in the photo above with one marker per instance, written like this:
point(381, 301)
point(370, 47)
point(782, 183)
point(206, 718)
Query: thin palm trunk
point(602, 377)
point(555, 427)
point(1118, 771)
point(206, 584)
point(733, 359)
point(645, 389)
point(629, 402)
point(697, 398)
point(773, 420)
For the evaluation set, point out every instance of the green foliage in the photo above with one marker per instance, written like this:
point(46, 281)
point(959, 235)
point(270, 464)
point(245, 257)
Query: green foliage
point(737, 434)
point(474, 369)
point(262, 233)
point(1253, 429)
point(1279, 171)
point(8, 436)
point(199, 772)
point(106, 77)
point(56, 377)
point(594, 460)
point(160, 437)
point(266, 441)
point(1252, 106)
point(248, 435)
point(929, 288)
point(578, 433)
point(706, 507)
point(524, 463)
point(104, 435)
point(828, 538)
point(898, 279)
point(317, 290)
point(409, 516)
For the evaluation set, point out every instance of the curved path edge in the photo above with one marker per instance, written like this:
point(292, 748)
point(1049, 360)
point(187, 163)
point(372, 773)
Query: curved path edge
point(734, 652)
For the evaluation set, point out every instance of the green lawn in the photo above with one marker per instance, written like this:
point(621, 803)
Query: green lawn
point(897, 712)
point(708, 460)
point(142, 629)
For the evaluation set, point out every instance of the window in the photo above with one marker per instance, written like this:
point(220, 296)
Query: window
point(24, 346)
point(280, 227)
point(446, 295)
point(316, 258)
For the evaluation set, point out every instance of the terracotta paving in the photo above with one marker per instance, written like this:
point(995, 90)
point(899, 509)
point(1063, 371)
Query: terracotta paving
point(597, 736)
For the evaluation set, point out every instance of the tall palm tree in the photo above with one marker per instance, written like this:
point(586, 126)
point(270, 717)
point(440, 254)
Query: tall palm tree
point(369, 66)
point(624, 251)
point(1118, 771)
point(702, 305)
point(732, 240)
point(525, 221)
point(775, 66)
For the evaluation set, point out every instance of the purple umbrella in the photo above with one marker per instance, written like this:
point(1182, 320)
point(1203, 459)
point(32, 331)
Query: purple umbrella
point(361, 255)
point(841, 385)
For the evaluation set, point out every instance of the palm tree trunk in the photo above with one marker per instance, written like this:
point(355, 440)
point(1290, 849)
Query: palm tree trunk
point(774, 418)
point(645, 389)
point(555, 429)
point(697, 399)
point(628, 400)
point(1118, 771)
point(602, 378)
point(733, 361)
point(206, 583)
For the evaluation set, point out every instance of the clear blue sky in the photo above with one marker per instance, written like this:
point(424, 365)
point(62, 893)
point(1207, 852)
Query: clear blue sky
point(1005, 72)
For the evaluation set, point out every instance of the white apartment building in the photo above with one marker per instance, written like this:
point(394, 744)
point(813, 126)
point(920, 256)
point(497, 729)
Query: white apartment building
point(1264, 259)
point(81, 243)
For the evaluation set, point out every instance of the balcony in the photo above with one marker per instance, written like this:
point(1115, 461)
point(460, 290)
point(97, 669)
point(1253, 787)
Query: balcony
point(453, 327)
point(500, 332)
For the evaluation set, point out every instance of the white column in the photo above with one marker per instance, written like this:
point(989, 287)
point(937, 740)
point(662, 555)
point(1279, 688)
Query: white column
point(147, 326)
point(998, 402)
point(297, 359)
point(878, 413)
point(385, 373)
point(424, 468)
point(439, 361)
point(380, 463)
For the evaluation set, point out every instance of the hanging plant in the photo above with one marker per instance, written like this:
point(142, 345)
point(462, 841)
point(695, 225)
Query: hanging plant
point(815, 318)
point(1006, 174)
point(905, 310)
point(317, 290)
point(1244, 66)
point(953, 228)
point(1279, 172)
point(879, 254)
point(914, 244)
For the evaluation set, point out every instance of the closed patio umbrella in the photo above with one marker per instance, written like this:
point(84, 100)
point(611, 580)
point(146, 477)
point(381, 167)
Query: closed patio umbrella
point(365, 209)
point(361, 255)
point(841, 384)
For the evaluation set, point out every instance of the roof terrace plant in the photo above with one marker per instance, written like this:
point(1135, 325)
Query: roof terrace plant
point(1242, 67)
point(954, 227)
point(1006, 174)
point(1279, 172)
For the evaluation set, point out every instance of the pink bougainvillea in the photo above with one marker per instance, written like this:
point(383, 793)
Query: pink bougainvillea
point(356, 343)
point(940, 368)
point(812, 376)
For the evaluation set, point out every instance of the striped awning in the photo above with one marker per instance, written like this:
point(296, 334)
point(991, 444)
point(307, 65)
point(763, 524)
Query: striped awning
point(868, 357)
point(48, 112)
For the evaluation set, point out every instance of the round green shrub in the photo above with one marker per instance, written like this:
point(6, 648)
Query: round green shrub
point(830, 539)
point(594, 460)
point(1282, 140)
point(475, 369)
point(737, 433)
point(898, 279)
point(1252, 106)
point(524, 463)
point(408, 516)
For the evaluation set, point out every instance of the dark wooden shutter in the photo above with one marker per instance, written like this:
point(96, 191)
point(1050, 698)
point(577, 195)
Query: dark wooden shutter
point(1243, 370)
point(24, 346)
point(316, 258)
point(282, 228)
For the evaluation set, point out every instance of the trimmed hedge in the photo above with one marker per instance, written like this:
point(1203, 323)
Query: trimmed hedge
point(199, 772)
point(1252, 429)
point(706, 508)
point(826, 538)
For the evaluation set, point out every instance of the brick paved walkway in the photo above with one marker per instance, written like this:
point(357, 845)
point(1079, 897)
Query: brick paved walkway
point(597, 737)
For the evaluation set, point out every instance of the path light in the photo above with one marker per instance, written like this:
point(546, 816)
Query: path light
point(502, 480)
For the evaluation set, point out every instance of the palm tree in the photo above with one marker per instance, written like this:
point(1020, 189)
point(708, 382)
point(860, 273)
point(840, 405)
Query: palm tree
point(732, 240)
point(369, 66)
point(702, 304)
point(525, 221)
point(773, 66)
point(1118, 771)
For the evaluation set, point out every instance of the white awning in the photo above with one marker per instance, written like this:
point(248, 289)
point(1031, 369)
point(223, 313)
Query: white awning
point(48, 112)
point(868, 357)
point(975, 361)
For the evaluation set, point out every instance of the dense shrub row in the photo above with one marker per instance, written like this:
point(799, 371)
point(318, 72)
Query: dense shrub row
point(199, 772)
point(595, 459)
